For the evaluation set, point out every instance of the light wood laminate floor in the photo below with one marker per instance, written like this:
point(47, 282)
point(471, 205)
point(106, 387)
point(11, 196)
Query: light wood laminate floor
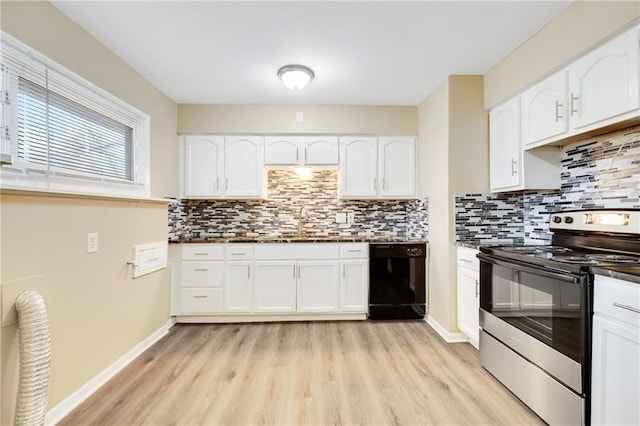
point(313, 373)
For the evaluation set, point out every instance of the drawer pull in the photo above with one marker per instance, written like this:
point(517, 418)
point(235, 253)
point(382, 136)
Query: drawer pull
point(627, 307)
point(201, 254)
point(201, 269)
point(238, 254)
point(354, 251)
point(465, 260)
point(200, 297)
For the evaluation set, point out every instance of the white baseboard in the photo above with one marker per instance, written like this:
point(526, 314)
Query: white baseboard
point(58, 412)
point(446, 335)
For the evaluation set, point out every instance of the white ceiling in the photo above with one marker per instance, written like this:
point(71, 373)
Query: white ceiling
point(362, 52)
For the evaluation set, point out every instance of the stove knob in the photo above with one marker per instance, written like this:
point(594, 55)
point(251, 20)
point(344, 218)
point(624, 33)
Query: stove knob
point(557, 219)
point(568, 219)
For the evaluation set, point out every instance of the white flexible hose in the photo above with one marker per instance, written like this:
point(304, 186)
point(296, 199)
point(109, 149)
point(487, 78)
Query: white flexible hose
point(35, 358)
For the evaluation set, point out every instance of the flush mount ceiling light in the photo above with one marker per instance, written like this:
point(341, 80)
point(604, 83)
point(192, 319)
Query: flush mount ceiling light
point(295, 77)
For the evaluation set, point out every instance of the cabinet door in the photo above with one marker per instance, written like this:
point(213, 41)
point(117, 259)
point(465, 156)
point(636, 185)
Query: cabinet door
point(544, 109)
point(616, 367)
point(358, 167)
point(396, 160)
point(505, 148)
point(604, 83)
point(468, 304)
point(320, 150)
point(275, 286)
point(354, 284)
point(203, 166)
point(282, 150)
point(238, 286)
point(244, 163)
point(317, 289)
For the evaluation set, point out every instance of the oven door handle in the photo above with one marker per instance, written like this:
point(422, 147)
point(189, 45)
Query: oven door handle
point(544, 271)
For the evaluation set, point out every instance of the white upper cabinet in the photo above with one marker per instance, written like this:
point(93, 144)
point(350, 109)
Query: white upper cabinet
point(604, 83)
point(544, 109)
point(511, 168)
point(281, 150)
point(244, 166)
point(358, 167)
point(320, 150)
point(309, 150)
point(397, 163)
point(219, 166)
point(203, 165)
point(596, 91)
point(377, 168)
point(505, 148)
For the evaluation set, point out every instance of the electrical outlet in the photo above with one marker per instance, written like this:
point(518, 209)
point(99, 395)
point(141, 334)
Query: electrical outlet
point(341, 218)
point(92, 242)
point(351, 217)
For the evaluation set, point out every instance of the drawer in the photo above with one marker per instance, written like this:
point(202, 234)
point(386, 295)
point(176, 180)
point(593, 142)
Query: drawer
point(354, 251)
point(201, 300)
point(617, 299)
point(467, 258)
point(202, 274)
point(238, 252)
point(202, 251)
point(297, 251)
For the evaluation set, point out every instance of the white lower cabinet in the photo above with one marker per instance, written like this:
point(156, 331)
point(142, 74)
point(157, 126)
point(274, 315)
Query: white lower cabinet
point(238, 286)
point(226, 282)
point(469, 294)
point(201, 300)
point(317, 286)
point(615, 384)
point(275, 289)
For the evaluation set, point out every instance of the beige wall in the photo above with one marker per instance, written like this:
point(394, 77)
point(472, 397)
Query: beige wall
point(452, 158)
point(41, 26)
point(581, 26)
point(98, 311)
point(337, 119)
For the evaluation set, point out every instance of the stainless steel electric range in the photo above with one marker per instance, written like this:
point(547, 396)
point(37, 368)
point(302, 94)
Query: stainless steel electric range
point(536, 309)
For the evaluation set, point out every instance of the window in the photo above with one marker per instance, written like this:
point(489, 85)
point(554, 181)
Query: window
point(62, 133)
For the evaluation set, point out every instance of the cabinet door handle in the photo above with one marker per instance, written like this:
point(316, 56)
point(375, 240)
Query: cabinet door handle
point(199, 297)
point(294, 271)
point(305, 155)
point(514, 167)
point(297, 156)
point(574, 104)
point(558, 111)
point(226, 183)
point(217, 184)
point(248, 271)
point(344, 271)
point(627, 307)
point(477, 288)
point(298, 271)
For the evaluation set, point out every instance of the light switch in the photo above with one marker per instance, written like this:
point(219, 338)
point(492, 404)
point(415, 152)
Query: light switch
point(92, 242)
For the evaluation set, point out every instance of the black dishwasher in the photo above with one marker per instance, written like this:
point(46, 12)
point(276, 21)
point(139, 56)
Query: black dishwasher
point(397, 286)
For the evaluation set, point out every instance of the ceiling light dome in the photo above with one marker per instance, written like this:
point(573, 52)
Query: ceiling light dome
point(295, 77)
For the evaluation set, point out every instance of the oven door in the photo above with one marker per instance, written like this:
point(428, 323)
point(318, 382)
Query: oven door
point(541, 314)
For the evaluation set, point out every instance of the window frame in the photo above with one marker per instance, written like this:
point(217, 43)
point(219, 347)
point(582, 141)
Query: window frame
point(15, 174)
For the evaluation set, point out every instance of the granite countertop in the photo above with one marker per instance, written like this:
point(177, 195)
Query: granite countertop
point(625, 273)
point(297, 239)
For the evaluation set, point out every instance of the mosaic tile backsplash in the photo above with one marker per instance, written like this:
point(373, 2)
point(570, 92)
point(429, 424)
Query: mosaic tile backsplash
point(279, 214)
point(599, 172)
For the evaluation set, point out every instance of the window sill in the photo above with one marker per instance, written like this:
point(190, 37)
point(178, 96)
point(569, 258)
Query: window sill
point(81, 195)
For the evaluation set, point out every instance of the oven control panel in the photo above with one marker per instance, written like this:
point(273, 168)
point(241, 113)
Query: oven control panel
point(623, 221)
